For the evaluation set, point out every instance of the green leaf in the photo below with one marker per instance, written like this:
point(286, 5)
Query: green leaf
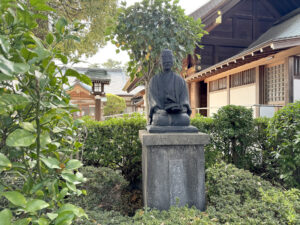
point(4, 77)
point(70, 207)
point(73, 164)
point(40, 5)
point(83, 78)
point(15, 198)
point(27, 126)
point(11, 102)
point(62, 57)
point(10, 68)
point(4, 43)
point(20, 138)
point(49, 38)
point(51, 163)
point(52, 216)
point(64, 218)
point(43, 221)
point(4, 161)
point(35, 205)
point(25, 221)
point(45, 139)
point(60, 25)
point(73, 178)
point(5, 217)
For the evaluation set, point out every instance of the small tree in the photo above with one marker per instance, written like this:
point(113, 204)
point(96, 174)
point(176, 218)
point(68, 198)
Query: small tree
point(114, 105)
point(37, 131)
point(146, 28)
point(112, 64)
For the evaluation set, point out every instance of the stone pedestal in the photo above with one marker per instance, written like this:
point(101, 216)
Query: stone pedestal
point(173, 168)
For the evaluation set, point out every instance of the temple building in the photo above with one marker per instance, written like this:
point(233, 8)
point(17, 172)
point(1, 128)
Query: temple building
point(91, 99)
point(251, 56)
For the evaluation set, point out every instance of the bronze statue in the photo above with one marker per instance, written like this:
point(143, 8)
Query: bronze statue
point(169, 100)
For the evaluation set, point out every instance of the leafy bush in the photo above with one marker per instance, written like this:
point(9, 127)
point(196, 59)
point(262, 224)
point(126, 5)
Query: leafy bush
point(103, 189)
point(204, 124)
point(37, 133)
point(114, 105)
point(232, 134)
point(115, 144)
point(235, 196)
point(284, 137)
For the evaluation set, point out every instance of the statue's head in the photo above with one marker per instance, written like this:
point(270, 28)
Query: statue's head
point(167, 59)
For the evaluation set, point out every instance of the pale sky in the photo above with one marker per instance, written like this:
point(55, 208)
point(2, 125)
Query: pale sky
point(109, 51)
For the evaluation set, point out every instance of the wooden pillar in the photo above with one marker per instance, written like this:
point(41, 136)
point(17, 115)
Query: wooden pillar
point(98, 108)
point(291, 72)
point(194, 97)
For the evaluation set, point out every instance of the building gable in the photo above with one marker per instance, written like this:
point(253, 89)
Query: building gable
point(241, 25)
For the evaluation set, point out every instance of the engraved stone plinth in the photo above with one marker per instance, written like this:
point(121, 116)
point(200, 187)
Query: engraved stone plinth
point(173, 168)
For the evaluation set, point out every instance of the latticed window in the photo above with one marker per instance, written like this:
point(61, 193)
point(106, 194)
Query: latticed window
point(97, 87)
point(274, 83)
point(242, 78)
point(218, 84)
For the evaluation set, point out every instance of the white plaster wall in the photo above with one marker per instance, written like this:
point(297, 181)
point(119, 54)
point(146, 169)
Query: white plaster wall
point(217, 100)
point(243, 95)
point(296, 90)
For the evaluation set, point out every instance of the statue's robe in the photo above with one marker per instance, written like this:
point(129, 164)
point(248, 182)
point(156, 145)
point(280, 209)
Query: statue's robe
point(167, 91)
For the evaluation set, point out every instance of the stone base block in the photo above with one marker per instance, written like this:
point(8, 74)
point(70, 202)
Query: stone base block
point(173, 168)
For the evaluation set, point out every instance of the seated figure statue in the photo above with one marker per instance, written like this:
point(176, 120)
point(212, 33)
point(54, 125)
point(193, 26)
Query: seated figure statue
point(169, 100)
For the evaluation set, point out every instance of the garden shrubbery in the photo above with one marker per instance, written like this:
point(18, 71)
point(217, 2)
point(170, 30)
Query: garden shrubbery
point(234, 196)
point(284, 138)
point(114, 143)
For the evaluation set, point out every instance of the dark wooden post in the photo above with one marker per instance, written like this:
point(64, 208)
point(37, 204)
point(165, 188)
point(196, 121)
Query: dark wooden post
point(98, 108)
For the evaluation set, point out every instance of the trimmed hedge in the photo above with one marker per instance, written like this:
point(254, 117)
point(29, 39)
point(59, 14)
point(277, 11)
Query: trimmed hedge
point(114, 143)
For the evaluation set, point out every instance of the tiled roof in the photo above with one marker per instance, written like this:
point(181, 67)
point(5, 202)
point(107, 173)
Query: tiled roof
point(287, 27)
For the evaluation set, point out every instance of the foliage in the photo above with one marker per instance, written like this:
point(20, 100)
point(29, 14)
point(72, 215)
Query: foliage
point(284, 137)
point(175, 215)
point(204, 124)
point(146, 28)
point(114, 105)
point(232, 134)
point(236, 196)
point(104, 187)
point(115, 143)
point(94, 16)
point(112, 64)
point(104, 218)
point(37, 133)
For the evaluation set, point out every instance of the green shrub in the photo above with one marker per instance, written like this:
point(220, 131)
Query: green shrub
point(102, 217)
point(232, 134)
point(284, 137)
point(103, 188)
point(261, 153)
point(175, 215)
point(115, 144)
point(204, 124)
point(236, 196)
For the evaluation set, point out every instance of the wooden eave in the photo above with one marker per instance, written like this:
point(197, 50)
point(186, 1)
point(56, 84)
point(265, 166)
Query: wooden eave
point(131, 84)
point(261, 51)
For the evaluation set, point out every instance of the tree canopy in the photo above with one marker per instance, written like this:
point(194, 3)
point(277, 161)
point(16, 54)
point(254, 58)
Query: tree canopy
point(146, 28)
point(114, 105)
point(94, 15)
point(112, 64)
